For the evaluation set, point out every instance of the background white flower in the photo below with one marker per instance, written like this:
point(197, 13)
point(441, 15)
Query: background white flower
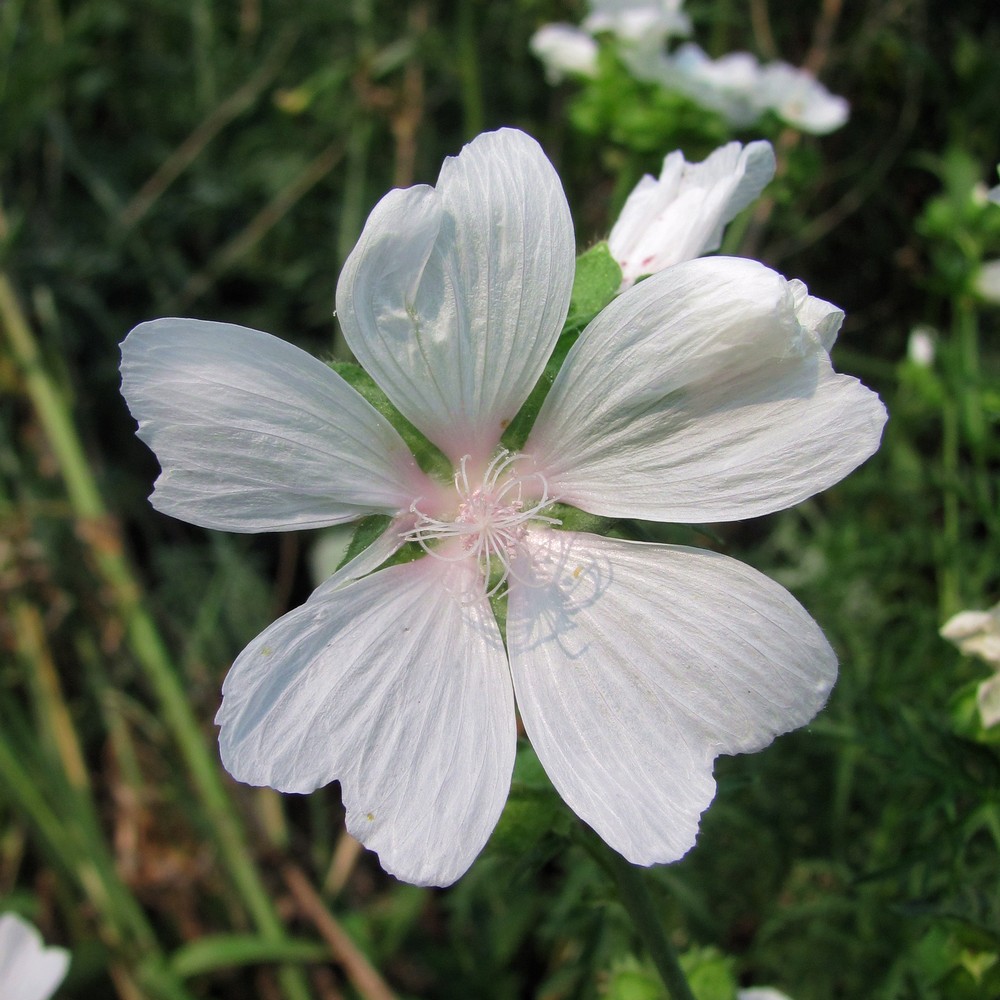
point(682, 214)
point(988, 280)
point(564, 50)
point(705, 393)
point(645, 22)
point(741, 89)
point(977, 633)
point(727, 85)
point(921, 346)
point(799, 99)
point(28, 970)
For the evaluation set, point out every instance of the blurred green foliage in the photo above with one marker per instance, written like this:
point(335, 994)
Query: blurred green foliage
point(219, 160)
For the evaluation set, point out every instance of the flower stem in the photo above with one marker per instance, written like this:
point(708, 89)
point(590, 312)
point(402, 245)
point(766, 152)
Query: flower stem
point(639, 905)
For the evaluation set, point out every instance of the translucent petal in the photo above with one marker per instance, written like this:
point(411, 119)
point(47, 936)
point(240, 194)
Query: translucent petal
point(396, 685)
point(564, 50)
point(455, 295)
point(368, 560)
point(682, 214)
point(701, 395)
point(635, 665)
point(28, 970)
point(254, 434)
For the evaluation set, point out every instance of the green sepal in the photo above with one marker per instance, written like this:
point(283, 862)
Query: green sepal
point(594, 286)
point(596, 282)
point(365, 532)
point(573, 519)
point(428, 455)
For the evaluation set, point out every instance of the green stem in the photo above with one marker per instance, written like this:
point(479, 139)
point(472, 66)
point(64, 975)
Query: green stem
point(639, 905)
point(472, 87)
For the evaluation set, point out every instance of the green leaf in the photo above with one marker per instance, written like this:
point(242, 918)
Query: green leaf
point(533, 813)
point(226, 951)
point(594, 286)
point(365, 533)
point(709, 974)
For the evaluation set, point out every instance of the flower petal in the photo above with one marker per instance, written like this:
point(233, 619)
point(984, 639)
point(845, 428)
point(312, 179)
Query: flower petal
point(28, 970)
point(799, 99)
point(635, 665)
point(682, 215)
point(702, 394)
point(564, 50)
point(454, 296)
point(369, 559)
point(254, 434)
point(398, 686)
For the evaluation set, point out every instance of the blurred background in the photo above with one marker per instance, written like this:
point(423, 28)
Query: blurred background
point(218, 160)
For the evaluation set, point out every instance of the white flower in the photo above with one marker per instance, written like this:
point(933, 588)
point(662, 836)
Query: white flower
point(977, 633)
point(682, 215)
point(704, 394)
point(564, 51)
point(28, 970)
point(799, 99)
point(727, 85)
point(645, 22)
point(920, 348)
point(741, 89)
point(988, 280)
point(761, 993)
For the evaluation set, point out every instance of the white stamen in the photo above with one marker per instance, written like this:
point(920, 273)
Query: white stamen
point(491, 519)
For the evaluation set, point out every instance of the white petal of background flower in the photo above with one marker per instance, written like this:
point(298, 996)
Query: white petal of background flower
point(698, 396)
point(564, 50)
point(798, 98)
point(976, 633)
point(398, 686)
point(648, 22)
point(988, 700)
point(988, 281)
point(635, 665)
point(682, 214)
point(28, 970)
point(454, 296)
point(254, 434)
point(728, 85)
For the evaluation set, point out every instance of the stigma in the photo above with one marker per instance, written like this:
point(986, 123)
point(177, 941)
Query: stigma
point(490, 520)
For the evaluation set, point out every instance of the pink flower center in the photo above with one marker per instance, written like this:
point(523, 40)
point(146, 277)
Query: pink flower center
point(491, 520)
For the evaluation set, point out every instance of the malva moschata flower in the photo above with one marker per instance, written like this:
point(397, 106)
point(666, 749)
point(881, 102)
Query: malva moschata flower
point(564, 50)
point(682, 214)
point(741, 89)
point(643, 22)
point(977, 633)
point(704, 393)
point(28, 970)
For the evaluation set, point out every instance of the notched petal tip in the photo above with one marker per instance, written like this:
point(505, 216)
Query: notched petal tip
point(454, 303)
point(397, 687)
point(253, 434)
point(635, 665)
